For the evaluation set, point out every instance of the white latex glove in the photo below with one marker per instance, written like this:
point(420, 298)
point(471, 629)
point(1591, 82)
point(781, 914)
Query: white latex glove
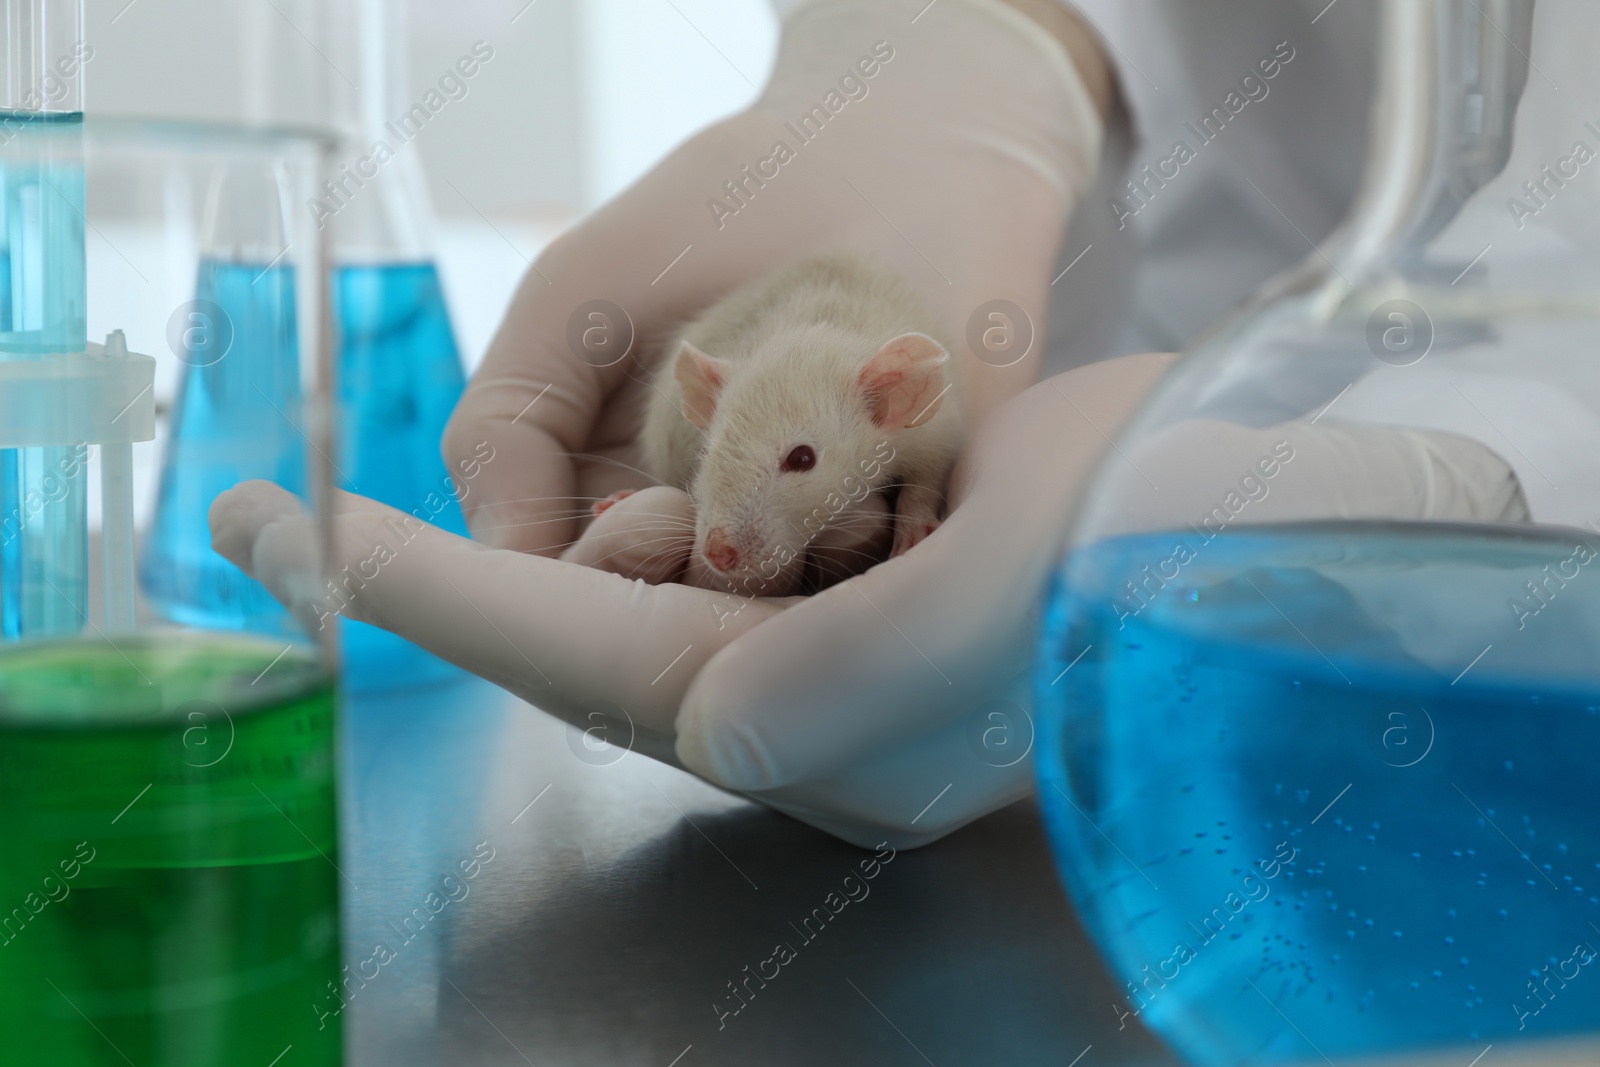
point(957, 137)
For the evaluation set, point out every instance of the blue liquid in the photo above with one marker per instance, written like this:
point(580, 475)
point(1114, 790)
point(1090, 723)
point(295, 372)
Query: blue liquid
point(399, 379)
point(235, 419)
point(1210, 733)
point(42, 267)
point(44, 587)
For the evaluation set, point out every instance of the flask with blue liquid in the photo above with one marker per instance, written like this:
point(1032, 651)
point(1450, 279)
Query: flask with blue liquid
point(397, 370)
point(1317, 759)
point(238, 413)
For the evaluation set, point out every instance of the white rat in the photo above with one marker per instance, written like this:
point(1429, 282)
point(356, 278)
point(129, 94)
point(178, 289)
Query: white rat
point(787, 404)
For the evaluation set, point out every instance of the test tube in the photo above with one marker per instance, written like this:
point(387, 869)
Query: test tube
point(44, 560)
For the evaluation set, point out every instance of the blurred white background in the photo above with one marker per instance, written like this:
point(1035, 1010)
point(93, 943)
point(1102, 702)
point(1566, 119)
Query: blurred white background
point(582, 97)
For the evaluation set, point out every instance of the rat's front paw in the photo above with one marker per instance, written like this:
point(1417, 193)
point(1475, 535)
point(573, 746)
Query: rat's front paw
point(916, 515)
point(600, 507)
point(908, 535)
point(645, 534)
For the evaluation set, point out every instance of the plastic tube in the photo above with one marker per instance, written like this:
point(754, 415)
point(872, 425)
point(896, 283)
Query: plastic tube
point(116, 518)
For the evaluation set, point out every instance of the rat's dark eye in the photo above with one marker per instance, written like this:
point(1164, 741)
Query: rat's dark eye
point(800, 458)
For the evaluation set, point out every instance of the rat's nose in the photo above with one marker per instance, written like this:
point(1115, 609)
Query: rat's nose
point(719, 553)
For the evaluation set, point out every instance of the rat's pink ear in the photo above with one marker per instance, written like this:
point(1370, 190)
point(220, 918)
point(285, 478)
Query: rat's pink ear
point(701, 378)
point(904, 381)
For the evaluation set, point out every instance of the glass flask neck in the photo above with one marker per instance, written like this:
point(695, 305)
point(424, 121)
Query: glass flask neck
point(1449, 79)
point(342, 63)
point(44, 55)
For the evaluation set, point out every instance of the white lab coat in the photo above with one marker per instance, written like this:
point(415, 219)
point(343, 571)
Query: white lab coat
point(1173, 255)
point(1270, 180)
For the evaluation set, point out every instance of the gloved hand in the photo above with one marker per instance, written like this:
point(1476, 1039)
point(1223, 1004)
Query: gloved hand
point(867, 710)
point(854, 729)
point(949, 141)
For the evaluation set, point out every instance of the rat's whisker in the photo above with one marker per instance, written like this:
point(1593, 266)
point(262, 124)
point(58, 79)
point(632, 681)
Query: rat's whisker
point(535, 522)
point(612, 461)
point(669, 546)
point(867, 559)
point(662, 533)
point(575, 497)
point(666, 515)
point(622, 550)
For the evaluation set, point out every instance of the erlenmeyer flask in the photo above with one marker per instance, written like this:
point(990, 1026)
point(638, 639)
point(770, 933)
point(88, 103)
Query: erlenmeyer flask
point(238, 410)
point(398, 370)
point(1321, 780)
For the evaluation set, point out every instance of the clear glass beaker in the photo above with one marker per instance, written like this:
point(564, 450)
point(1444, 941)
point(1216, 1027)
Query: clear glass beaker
point(169, 892)
point(342, 63)
point(1319, 692)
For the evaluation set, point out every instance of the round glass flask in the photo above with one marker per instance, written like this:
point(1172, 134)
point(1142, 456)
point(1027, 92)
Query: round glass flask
point(1318, 690)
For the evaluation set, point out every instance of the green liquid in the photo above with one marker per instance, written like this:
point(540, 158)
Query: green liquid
point(168, 892)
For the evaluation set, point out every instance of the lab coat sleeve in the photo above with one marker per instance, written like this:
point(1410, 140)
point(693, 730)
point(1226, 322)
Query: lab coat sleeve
point(1129, 29)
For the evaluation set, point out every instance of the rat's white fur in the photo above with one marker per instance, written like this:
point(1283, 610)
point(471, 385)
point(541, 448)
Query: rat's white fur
point(794, 344)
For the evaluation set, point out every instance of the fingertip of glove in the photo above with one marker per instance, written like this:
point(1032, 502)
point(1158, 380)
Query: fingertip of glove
point(237, 516)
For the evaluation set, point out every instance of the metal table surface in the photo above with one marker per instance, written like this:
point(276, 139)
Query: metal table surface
point(604, 909)
point(617, 902)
